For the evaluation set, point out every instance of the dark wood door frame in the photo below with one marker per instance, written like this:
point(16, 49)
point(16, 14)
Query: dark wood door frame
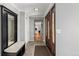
point(49, 42)
point(53, 10)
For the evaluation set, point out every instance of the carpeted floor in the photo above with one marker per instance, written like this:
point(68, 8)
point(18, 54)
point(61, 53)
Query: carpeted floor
point(41, 51)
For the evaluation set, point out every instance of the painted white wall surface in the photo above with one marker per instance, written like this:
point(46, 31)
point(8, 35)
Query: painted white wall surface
point(38, 26)
point(27, 33)
point(67, 26)
point(31, 29)
point(21, 28)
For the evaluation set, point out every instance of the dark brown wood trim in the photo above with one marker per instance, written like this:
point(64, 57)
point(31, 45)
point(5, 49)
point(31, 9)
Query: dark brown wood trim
point(49, 41)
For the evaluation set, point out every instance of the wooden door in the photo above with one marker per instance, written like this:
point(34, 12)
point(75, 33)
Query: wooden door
point(50, 30)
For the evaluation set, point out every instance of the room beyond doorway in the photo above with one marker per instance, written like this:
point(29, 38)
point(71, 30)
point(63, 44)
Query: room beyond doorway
point(38, 32)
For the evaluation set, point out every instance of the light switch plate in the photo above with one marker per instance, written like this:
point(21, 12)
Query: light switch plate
point(58, 31)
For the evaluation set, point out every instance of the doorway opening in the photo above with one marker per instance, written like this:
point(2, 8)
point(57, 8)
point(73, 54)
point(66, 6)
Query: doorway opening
point(38, 32)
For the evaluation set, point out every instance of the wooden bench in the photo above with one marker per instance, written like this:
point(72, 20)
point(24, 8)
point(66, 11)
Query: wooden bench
point(17, 49)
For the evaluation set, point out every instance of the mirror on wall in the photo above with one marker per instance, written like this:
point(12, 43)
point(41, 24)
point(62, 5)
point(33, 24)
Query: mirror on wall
point(10, 29)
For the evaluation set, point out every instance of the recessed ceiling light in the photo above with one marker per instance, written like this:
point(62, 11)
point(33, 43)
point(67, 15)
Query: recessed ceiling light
point(36, 9)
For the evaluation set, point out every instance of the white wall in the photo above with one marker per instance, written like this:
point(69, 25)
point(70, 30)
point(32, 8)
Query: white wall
point(67, 23)
point(27, 33)
point(38, 25)
point(21, 26)
point(31, 29)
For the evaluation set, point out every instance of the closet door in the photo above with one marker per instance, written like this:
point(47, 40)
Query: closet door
point(50, 29)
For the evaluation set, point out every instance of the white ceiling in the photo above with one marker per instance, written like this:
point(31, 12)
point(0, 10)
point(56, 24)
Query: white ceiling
point(29, 8)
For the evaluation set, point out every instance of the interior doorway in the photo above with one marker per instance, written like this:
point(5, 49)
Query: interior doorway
point(38, 30)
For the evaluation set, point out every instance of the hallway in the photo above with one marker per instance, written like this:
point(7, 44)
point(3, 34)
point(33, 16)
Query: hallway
point(30, 49)
point(39, 29)
point(29, 29)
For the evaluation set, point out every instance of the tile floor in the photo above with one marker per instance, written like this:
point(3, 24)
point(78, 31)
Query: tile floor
point(30, 47)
